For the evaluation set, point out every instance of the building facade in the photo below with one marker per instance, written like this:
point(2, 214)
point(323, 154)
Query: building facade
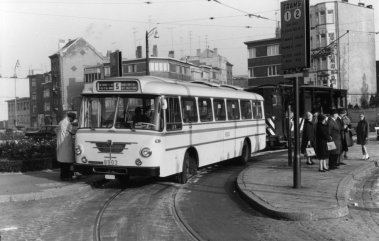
point(343, 49)
point(213, 59)
point(19, 112)
point(158, 66)
point(264, 62)
point(67, 75)
point(36, 99)
point(342, 52)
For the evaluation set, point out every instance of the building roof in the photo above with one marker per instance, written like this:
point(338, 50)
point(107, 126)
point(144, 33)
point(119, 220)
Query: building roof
point(62, 51)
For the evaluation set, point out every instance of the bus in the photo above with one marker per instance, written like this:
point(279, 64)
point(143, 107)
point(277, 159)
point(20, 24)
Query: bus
point(146, 125)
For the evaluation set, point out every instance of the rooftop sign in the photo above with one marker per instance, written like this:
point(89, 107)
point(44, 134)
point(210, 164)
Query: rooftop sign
point(295, 44)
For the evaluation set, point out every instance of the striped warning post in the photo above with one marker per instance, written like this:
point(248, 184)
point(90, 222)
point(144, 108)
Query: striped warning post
point(270, 126)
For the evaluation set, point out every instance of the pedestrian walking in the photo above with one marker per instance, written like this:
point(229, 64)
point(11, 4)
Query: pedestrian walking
point(322, 137)
point(347, 140)
point(308, 136)
point(335, 133)
point(362, 135)
point(65, 146)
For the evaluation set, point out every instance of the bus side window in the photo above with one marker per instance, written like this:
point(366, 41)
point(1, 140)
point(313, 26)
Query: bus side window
point(174, 120)
point(246, 109)
point(189, 109)
point(205, 109)
point(233, 109)
point(219, 109)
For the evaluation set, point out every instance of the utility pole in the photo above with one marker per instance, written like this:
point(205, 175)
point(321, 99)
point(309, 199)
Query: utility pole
point(17, 65)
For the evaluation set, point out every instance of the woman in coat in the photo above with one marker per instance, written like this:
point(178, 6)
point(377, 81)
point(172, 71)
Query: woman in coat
point(322, 137)
point(335, 133)
point(308, 137)
point(362, 134)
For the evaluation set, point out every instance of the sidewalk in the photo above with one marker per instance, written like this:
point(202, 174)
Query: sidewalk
point(40, 185)
point(268, 185)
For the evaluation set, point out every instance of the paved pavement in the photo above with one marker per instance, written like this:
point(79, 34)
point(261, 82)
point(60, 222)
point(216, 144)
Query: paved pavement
point(268, 185)
point(40, 184)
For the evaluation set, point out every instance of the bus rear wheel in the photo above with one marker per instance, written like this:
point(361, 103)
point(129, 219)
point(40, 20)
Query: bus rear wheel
point(246, 153)
point(189, 169)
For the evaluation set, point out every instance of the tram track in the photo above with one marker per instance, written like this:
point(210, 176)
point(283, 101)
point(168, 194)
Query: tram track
point(96, 229)
point(173, 204)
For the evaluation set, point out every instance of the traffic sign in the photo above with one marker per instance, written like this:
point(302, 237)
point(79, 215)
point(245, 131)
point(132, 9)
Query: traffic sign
point(295, 44)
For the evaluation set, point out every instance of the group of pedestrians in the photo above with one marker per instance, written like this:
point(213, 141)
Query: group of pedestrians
point(330, 136)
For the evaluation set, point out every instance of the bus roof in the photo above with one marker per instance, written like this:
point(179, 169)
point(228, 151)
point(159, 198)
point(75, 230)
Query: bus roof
point(163, 86)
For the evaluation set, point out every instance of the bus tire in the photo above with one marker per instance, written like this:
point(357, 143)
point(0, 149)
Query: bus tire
point(189, 169)
point(246, 153)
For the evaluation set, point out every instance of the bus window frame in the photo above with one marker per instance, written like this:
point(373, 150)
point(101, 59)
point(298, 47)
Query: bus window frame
point(184, 98)
point(232, 101)
point(214, 110)
point(199, 99)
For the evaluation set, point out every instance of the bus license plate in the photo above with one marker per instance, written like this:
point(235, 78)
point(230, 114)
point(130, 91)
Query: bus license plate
point(110, 177)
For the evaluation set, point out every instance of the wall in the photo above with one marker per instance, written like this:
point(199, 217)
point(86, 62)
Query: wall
point(78, 55)
point(357, 51)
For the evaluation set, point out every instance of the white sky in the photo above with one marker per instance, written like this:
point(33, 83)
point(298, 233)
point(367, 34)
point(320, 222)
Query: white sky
point(30, 29)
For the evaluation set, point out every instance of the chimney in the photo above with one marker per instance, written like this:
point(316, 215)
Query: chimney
point(171, 54)
point(155, 50)
point(139, 52)
point(198, 52)
point(361, 4)
point(369, 6)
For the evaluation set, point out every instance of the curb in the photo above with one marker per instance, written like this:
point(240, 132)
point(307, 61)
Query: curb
point(342, 194)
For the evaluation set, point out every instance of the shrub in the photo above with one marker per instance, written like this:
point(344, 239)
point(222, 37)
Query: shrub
point(25, 149)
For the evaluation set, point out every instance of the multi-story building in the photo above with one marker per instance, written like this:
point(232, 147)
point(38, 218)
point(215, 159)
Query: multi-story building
point(264, 62)
point(215, 60)
point(67, 75)
point(343, 48)
point(48, 106)
point(19, 112)
point(36, 99)
point(166, 67)
point(342, 52)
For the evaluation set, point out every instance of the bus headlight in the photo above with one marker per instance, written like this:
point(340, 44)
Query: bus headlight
point(146, 152)
point(78, 150)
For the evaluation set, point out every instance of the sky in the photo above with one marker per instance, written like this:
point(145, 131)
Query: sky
point(30, 30)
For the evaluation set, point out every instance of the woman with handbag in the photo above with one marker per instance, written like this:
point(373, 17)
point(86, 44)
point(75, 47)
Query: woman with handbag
point(307, 138)
point(347, 139)
point(362, 134)
point(322, 137)
point(335, 132)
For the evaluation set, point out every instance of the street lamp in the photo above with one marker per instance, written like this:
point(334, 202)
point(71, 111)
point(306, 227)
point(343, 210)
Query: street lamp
point(148, 34)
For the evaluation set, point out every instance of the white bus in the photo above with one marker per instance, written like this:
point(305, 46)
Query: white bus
point(160, 127)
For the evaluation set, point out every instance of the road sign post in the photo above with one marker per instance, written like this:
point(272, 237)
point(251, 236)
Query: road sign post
point(295, 51)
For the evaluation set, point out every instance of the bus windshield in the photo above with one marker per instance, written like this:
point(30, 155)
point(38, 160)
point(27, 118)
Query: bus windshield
point(121, 112)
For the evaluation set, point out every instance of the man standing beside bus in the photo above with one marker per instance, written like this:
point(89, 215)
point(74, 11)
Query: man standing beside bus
point(65, 146)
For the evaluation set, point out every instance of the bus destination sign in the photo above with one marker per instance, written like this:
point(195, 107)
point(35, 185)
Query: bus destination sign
point(117, 86)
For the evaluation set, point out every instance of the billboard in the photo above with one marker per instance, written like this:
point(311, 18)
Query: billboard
point(295, 42)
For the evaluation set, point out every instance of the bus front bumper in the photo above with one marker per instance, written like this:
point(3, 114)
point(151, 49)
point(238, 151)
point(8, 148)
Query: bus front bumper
point(117, 170)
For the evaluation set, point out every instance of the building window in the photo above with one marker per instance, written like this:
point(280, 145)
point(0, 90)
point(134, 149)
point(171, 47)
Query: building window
point(330, 17)
point(273, 50)
point(251, 73)
point(252, 53)
point(272, 70)
point(34, 83)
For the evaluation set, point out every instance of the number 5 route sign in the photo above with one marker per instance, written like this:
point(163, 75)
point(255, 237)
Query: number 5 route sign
point(295, 43)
